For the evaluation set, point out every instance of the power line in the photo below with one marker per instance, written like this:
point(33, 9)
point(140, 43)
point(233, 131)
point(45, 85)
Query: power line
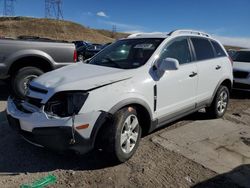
point(8, 9)
point(53, 9)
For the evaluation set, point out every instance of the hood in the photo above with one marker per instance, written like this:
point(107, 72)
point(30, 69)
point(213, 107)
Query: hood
point(243, 66)
point(80, 76)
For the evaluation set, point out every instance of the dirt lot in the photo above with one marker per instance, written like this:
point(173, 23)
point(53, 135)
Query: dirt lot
point(152, 166)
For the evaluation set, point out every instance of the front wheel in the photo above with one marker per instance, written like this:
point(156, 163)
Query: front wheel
point(123, 137)
point(219, 105)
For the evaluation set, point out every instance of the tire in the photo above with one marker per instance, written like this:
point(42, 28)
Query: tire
point(21, 79)
point(121, 139)
point(219, 105)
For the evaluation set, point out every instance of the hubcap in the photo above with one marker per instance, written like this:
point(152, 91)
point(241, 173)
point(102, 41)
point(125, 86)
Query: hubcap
point(27, 80)
point(129, 134)
point(222, 102)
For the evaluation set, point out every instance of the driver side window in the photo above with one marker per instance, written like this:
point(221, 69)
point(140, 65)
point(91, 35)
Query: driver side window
point(177, 49)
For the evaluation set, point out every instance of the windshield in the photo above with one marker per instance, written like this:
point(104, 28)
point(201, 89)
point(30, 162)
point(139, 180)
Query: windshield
point(127, 53)
point(242, 56)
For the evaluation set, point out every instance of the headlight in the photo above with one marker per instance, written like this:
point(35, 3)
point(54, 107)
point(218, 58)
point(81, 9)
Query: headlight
point(64, 104)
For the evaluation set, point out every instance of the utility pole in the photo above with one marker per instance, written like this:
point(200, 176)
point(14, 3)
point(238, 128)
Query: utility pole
point(47, 9)
point(53, 9)
point(113, 31)
point(8, 9)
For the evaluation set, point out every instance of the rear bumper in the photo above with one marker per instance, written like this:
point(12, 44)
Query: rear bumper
point(56, 133)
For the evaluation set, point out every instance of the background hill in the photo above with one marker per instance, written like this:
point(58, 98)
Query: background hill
point(57, 29)
point(53, 29)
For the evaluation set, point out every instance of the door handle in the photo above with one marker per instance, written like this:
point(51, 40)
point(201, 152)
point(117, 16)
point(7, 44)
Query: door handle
point(217, 67)
point(193, 74)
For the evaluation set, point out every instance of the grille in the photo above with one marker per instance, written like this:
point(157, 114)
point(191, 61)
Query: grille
point(20, 107)
point(34, 101)
point(241, 74)
point(36, 89)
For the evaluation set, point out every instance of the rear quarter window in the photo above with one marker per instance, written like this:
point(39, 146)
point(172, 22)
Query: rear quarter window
point(219, 52)
point(203, 49)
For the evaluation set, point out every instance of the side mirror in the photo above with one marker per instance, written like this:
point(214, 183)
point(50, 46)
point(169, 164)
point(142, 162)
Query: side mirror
point(169, 64)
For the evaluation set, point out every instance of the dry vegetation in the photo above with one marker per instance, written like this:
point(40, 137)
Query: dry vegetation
point(49, 28)
point(111, 34)
point(233, 48)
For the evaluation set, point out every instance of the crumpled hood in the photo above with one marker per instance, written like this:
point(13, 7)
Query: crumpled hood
point(243, 66)
point(80, 76)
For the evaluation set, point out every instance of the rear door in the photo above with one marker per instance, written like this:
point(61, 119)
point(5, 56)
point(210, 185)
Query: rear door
point(209, 68)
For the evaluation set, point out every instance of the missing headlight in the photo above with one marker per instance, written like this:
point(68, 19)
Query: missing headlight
point(65, 104)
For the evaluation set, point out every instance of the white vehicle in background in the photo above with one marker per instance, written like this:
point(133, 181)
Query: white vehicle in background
point(241, 70)
point(131, 87)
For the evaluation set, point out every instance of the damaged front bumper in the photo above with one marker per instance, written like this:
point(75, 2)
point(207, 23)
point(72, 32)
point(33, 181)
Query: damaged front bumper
point(56, 133)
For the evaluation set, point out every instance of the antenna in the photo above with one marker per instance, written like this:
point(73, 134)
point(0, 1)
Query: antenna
point(53, 9)
point(8, 9)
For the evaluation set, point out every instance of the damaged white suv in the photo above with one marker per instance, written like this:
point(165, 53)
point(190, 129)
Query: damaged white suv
point(131, 87)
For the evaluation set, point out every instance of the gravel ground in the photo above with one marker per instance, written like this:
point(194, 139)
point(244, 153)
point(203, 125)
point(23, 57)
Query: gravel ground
point(152, 166)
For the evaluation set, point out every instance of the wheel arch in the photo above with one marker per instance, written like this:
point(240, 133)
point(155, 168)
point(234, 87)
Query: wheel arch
point(226, 82)
point(30, 61)
point(143, 110)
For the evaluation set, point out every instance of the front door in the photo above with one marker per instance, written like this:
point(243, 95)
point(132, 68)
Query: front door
point(176, 89)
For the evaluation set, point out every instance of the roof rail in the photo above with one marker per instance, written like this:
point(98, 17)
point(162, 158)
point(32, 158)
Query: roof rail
point(180, 31)
point(134, 35)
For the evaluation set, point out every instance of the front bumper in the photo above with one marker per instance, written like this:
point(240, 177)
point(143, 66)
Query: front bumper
point(53, 132)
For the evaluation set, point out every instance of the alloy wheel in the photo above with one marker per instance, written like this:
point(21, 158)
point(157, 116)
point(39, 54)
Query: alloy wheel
point(129, 134)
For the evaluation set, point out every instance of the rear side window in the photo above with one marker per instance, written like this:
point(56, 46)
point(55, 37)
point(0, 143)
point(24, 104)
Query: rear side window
point(218, 50)
point(203, 49)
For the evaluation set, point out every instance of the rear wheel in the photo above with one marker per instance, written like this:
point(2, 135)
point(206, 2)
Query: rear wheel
point(123, 137)
point(219, 105)
point(21, 79)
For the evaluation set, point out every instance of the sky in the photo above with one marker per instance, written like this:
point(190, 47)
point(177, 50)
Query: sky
point(227, 20)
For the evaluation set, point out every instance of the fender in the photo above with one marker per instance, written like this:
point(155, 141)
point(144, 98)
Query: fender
point(29, 53)
point(128, 101)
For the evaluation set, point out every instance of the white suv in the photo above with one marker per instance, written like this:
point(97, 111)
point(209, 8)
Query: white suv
point(131, 87)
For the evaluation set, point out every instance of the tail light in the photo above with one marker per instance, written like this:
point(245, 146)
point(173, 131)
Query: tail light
point(75, 56)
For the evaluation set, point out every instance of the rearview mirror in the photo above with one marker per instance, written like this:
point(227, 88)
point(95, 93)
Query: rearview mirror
point(169, 64)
